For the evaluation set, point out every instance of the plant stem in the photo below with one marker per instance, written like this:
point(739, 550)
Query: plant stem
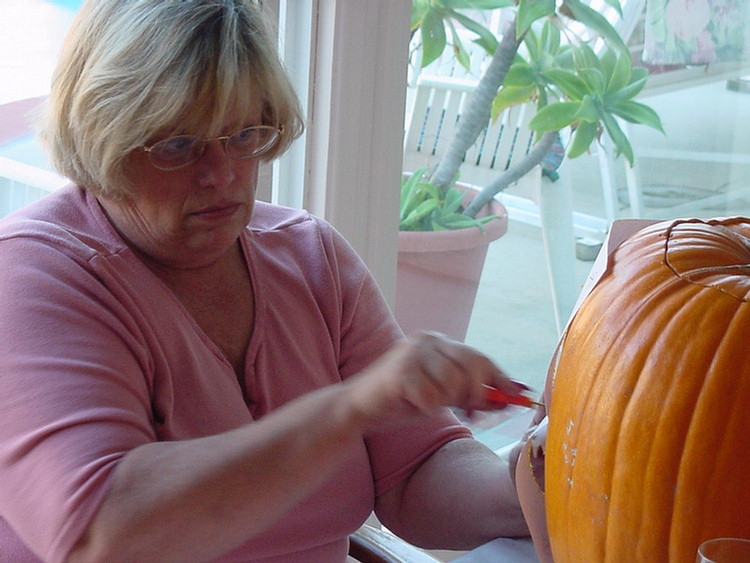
point(477, 114)
point(513, 173)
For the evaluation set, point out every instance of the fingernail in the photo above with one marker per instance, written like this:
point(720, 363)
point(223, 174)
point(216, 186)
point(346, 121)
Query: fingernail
point(521, 385)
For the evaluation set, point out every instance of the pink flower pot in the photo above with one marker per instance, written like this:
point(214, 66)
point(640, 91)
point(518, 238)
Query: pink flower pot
point(438, 274)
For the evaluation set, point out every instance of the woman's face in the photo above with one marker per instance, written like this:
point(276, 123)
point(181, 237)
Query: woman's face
point(189, 217)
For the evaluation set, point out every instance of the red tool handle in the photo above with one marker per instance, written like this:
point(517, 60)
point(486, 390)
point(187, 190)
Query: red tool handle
point(496, 396)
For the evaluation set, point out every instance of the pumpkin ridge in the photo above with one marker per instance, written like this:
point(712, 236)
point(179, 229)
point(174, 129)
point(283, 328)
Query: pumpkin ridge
point(564, 491)
point(594, 396)
point(672, 427)
point(636, 497)
point(715, 396)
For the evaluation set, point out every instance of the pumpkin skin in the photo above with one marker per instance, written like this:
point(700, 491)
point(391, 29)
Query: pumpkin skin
point(649, 419)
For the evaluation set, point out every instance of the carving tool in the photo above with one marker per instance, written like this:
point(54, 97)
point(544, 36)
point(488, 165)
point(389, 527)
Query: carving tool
point(494, 395)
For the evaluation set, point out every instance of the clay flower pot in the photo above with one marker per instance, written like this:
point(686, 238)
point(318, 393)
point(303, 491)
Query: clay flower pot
point(438, 274)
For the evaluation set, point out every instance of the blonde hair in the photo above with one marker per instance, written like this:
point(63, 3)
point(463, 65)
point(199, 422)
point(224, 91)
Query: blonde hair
point(131, 68)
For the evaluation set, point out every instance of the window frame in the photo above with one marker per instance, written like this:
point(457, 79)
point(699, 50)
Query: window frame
point(347, 168)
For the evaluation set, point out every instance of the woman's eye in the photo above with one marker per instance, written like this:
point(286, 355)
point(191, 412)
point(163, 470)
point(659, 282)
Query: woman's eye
point(245, 137)
point(175, 145)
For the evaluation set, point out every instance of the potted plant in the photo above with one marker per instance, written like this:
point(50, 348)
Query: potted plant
point(441, 253)
point(539, 59)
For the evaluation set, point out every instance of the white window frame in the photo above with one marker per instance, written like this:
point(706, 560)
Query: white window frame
point(350, 72)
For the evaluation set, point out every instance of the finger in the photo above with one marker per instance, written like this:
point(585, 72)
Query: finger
point(423, 381)
point(509, 385)
point(443, 360)
point(457, 369)
point(473, 370)
point(463, 372)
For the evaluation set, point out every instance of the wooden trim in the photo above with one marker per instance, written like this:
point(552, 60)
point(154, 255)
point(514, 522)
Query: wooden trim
point(355, 126)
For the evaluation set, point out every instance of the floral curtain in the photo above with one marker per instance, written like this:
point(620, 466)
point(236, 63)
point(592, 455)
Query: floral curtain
point(696, 31)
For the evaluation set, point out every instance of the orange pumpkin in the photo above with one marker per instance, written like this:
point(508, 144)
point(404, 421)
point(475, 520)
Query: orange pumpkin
point(648, 443)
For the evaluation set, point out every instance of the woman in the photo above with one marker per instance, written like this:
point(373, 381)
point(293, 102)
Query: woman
point(182, 384)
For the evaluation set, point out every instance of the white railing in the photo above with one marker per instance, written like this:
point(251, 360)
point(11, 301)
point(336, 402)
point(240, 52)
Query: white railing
point(21, 184)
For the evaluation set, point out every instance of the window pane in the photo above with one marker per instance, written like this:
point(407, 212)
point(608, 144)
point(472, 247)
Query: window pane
point(31, 33)
point(697, 167)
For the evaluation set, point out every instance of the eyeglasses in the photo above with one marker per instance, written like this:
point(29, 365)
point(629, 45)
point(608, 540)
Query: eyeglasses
point(183, 150)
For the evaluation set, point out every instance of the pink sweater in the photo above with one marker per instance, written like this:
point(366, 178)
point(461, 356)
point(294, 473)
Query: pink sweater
point(97, 357)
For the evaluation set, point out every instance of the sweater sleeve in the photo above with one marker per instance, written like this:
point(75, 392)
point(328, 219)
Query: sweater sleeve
point(73, 393)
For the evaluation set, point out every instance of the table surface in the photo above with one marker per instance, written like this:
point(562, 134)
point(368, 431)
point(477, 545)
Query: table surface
point(502, 550)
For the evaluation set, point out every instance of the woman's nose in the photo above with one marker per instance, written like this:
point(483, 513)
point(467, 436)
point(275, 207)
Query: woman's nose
point(215, 167)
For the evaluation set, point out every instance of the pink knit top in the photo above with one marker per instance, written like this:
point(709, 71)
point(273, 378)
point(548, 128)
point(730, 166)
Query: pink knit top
point(98, 356)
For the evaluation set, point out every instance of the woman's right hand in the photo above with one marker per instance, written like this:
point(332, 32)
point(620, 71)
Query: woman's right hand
point(422, 374)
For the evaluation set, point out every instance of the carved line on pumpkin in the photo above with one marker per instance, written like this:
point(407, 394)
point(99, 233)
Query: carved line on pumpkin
point(721, 228)
point(537, 444)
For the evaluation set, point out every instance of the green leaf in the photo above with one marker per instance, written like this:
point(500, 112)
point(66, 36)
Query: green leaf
point(424, 206)
point(433, 191)
point(478, 4)
point(594, 80)
point(487, 219)
point(587, 111)
point(533, 45)
point(555, 116)
point(459, 51)
point(422, 211)
point(628, 93)
point(584, 135)
point(566, 57)
point(638, 79)
point(636, 112)
point(596, 22)
point(638, 73)
point(519, 75)
point(409, 192)
point(542, 98)
point(616, 5)
point(530, 11)
point(569, 82)
point(485, 38)
point(453, 200)
point(607, 62)
point(461, 222)
point(433, 37)
point(620, 76)
point(510, 96)
point(462, 56)
point(622, 145)
point(585, 57)
point(550, 37)
point(418, 10)
point(547, 61)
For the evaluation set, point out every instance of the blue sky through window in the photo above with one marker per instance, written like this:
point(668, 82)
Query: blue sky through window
point(69, 4)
